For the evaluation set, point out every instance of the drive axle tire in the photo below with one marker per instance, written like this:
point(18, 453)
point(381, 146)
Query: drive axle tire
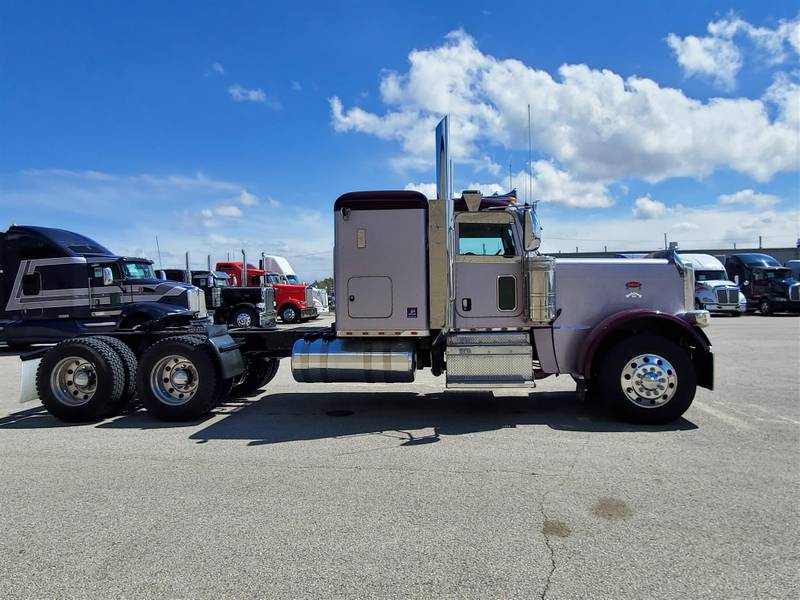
point(178, 379)
point(647, 379)
point(243, 316)
point(258, 374)
point(81, 380)
point(290, 314)
point(129, 363)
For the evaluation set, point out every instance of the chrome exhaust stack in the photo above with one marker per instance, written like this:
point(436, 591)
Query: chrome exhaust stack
point(444, 194)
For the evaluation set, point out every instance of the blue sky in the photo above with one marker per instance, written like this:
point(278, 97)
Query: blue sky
point(220, 126)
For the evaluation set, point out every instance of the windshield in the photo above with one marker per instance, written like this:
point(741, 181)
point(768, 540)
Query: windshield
point(274, 278)
point(485, 239)
point(137, 270)
point(710, 276)
point(292, 279)
point(773, 274)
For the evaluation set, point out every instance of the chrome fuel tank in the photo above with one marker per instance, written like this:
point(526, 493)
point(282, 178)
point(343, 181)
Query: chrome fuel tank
point(353, 361)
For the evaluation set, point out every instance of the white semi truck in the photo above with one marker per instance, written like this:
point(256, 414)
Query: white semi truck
point(453, 285)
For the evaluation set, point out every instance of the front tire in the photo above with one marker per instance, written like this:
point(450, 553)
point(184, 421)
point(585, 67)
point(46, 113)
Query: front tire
point(647, 379)
point(243, 316)
point(178, 379)
point(81, 380)
point(765, 307)
point(290, 314)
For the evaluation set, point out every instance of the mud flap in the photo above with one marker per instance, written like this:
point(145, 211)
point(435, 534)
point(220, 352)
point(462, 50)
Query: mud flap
point(27, 380)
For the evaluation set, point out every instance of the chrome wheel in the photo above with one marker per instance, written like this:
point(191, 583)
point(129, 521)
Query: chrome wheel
point(73, 381)
point(289, 315)
point(649, 380)
point(174, 380)
point(243, 320)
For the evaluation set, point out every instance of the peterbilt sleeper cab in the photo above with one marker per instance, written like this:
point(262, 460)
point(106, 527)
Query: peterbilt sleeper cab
point(57, 284)
point(457, 286)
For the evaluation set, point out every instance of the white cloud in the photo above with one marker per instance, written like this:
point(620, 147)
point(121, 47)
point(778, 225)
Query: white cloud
point(750, 198)
point(218, 68)
point(296, 86)
point(247, 198)
point(257, 95)
point(692, 228)
point(273, 203)
point(228, 210)
point(557, 186)
point(428, 189)
point(242, 94)
point(550, 185)
point(598, 125)
point(174, 207)
point(646, 208)
point(718, 56)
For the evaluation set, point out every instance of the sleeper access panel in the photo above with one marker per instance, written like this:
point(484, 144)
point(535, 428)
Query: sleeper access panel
point(380, 264)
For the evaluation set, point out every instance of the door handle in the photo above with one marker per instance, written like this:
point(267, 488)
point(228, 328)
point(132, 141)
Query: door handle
point(352, 298)
point(466, 304)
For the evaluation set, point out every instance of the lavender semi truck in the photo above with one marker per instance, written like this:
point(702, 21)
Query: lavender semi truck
point(453, 285)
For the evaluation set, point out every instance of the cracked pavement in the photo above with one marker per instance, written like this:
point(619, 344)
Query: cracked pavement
point(366, 491)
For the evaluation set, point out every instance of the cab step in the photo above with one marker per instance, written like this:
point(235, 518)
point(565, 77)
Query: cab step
point(489, 360)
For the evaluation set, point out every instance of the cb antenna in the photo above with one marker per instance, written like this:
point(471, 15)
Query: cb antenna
point(530, 159)
point(160, 264)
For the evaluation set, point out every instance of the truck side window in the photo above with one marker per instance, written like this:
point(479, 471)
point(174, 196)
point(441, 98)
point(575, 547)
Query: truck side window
point(507, 292)
point(31, 284)
point(485, 239)
point(96, 273)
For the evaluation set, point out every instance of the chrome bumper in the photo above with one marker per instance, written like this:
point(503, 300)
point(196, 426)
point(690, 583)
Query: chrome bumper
point(701, 318)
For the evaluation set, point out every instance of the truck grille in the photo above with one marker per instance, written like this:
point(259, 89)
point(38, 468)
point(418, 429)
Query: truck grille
point(309, 297)
point(794, 293)
point(269, 301)
point(727, 295)
point(197, 302)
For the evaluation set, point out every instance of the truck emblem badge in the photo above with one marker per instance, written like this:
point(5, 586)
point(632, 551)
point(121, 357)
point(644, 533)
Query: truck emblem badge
point(633, 289)
point(411, 312)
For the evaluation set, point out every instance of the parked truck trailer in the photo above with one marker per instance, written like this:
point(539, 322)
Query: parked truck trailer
point(456, 286)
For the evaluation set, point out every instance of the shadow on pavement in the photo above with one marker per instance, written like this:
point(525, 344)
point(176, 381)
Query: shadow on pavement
point(277, 418)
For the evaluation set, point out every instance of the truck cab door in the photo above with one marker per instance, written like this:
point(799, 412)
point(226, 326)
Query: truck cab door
point(104, 300)
point(488, 271)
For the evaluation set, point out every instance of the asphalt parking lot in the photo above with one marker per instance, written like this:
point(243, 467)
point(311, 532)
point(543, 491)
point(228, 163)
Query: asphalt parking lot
point(412, 491)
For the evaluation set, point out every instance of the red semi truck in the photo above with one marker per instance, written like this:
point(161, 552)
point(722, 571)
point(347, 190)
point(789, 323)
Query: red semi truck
point(293, 302)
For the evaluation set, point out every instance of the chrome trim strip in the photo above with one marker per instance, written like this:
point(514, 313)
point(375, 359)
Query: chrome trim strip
point(406, 333)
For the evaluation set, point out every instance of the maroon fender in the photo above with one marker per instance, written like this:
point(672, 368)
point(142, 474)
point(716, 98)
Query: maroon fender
point(625, 317)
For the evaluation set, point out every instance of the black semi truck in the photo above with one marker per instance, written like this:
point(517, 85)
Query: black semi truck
point(235, 306)
point(768, 286)
point(56, 284)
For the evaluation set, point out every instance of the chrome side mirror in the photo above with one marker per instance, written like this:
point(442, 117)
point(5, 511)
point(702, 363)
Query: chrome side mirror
point(736, 279)
point(108, 276)
point(162, 275)
point(532, 231)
